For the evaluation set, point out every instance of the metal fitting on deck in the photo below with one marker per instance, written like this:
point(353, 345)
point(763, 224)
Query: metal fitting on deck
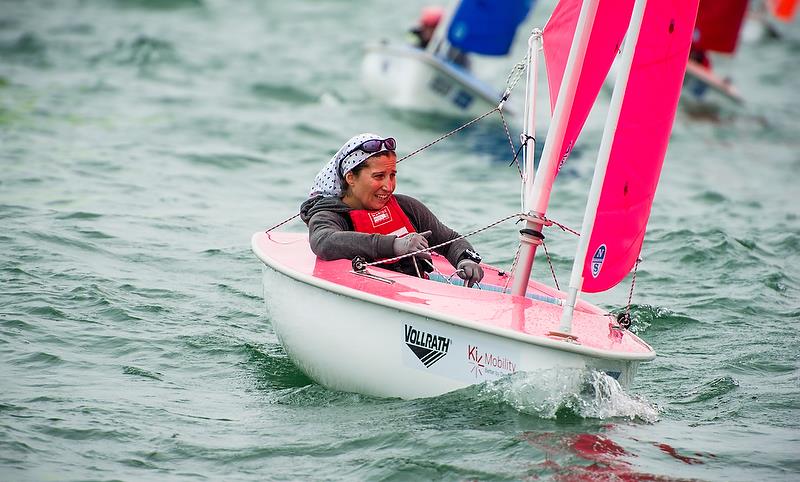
point(359, 264)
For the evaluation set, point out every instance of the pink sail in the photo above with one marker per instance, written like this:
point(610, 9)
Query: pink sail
point(611, 22)
point(640, 142)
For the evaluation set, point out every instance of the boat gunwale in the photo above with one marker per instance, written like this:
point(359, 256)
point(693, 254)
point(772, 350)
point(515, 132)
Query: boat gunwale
point(558, 344)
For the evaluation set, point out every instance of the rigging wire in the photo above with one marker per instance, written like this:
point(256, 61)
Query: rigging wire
point(514, 151)
point(624, 319)
point(513, 267)
point(550, 262)
point(282, 223)
point(454, 131)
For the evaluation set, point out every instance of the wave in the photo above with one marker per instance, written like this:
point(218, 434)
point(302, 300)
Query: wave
point(272, 369)
point(28, 48)
point(282, 92)
point(709, 390)
point(142, 52)
point(568, 393)
point(160, 4)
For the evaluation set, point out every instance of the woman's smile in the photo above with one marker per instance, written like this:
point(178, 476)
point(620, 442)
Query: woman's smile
point(372, 186)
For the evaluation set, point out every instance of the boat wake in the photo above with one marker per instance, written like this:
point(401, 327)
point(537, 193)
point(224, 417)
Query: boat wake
point(561, 393)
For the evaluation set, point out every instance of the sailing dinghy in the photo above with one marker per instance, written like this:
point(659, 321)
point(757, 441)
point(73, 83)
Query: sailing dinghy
point(354, 326)
point(426, 80)
point(717, 29)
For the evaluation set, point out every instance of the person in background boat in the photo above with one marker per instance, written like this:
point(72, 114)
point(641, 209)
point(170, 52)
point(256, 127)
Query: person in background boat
point(422, 34)
point(700, 56)
point(352, 211)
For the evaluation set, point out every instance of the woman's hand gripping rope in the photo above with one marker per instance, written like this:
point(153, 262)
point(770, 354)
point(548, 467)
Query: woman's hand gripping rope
point(411, 243)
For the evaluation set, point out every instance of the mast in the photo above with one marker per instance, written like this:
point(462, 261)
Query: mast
point(537, 195)
point(529, 134)
point(609, 131)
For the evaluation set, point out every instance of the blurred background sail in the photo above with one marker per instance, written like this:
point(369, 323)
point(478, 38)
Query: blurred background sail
point(487, 28)
point(718, 24)
point(783, 10)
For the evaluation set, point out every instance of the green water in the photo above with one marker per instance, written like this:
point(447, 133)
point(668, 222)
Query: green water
point(143, 142)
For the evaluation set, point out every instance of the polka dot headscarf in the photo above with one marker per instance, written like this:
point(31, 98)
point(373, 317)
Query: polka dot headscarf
point(328, 181)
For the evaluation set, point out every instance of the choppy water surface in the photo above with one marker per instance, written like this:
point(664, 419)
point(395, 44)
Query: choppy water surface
point(143, 142)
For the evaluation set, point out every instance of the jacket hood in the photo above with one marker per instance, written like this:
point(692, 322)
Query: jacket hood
point(315, 204)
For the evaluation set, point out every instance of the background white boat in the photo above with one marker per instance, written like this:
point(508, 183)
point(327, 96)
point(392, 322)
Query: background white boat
point(406, 77)
point(427, 79)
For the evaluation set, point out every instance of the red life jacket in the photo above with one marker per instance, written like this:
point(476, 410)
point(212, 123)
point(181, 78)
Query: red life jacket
point(390, 219)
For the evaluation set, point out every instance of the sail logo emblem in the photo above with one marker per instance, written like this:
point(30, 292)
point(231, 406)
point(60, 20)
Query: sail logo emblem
point(475, 360)
point(380, 217)
point(428, 347)
point(597, 260)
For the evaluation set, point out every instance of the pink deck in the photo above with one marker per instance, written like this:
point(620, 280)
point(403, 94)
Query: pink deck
point(290, 254)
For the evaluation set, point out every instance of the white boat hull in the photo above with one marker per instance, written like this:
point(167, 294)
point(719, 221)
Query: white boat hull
point(409, 78)
point(355, 345)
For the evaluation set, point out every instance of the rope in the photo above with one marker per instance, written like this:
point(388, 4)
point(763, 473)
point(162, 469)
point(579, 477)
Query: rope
point(548, 222)
point(431, 248)
point(282, 223)
point(511, 81)
point(564, 228)
point(445, 136)
point(439, 139)
point(625, 319)
point(514, 75)
point(514, 151)
point(550, 262)
point(519, 151)
point(448, 278)
point(513, 267)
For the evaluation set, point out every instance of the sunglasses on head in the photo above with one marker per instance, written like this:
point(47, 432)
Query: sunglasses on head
point(370, 146)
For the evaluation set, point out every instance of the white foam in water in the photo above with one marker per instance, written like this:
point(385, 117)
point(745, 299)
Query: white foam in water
point(590, 394)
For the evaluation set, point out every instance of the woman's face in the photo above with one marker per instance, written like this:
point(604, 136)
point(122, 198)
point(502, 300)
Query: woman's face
point(374, 183)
